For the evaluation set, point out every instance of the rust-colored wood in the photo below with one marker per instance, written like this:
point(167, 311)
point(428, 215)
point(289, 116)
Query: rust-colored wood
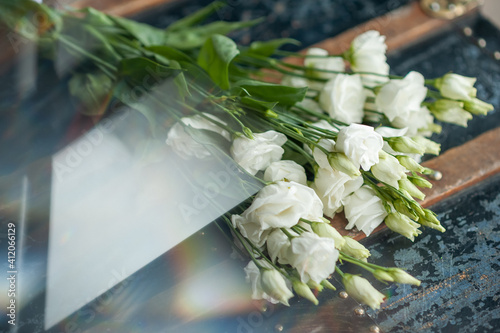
point(462, 167)
point(120, 7)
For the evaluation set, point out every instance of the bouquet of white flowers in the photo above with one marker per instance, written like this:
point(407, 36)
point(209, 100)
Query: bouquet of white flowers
point(338, 134)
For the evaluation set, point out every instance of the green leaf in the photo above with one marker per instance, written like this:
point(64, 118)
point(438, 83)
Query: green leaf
point(284, 95)
point(142, 71)
point(196, 17)
point(180, 81)
point(257, 103)
point(196, 36)
point(215, 57)
point(145, 33)
point(93, 90)
point(266, 49)
point(97, 18)
point(126, 94)
point(169, 53)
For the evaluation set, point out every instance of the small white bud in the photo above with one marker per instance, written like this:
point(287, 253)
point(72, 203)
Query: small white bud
point(355, 249)
point(403, 225)
point(401, 276)
point(361, 290)
point(274, 285)
point(303, 290)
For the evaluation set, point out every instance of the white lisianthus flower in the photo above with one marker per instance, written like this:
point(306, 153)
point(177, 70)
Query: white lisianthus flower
point(418, 122)
point(362, 291)
point(456, 86)
point(282, 204)
point(314, 257)
point(398, 98)
point(332, 186)
point(258, 153)
point(361, 144)
point(368, 56)
point(252, 230)
point(388, 169)
point(278, 244)
point(318, 59)
point(289, 170)
point(185, 145)
point(320, 156)
point(364, 210)
point(255, 277)
point(343, 97)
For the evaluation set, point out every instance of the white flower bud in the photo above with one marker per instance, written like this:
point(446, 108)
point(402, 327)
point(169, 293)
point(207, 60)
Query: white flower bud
point(456, 86)
point(410, 164)
point(274, 285)
point(430, 146)
point(401, 276)
point(477, 106)
point(450, 112)
point(361, 290)
point(403, 225)
point(342, 163)
point(405, 145)
point(355, 249)
point(388, 169)
point(326, 230)
point(303, 290)
point(382, 275)
point(408, 186)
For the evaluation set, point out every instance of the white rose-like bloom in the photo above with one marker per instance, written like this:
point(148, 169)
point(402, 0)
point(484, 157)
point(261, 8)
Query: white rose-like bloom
point(368, 56)
point(418, 122)
point(289, 170)
point(258, 153)
point(185, 145)
point(332, 186)
point(277, 245)
point(361, 144)
point(343, 97)
point(252, 230)
point(388, 169)
point(282, 204)
point(456, 86)
point(254, 277)
point(314, 257)
point(364, 210)
point(398, 98)
point(321, 61)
